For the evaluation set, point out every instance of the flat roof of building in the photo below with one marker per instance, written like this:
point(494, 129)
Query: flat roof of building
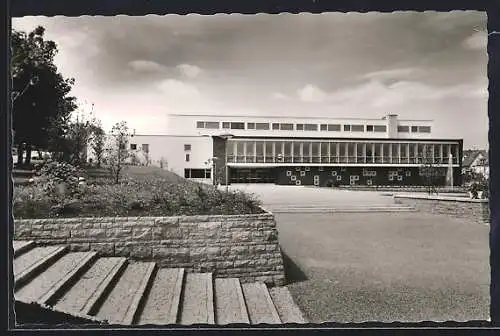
point(285, 117)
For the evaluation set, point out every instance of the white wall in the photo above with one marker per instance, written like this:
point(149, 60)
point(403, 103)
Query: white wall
point(171, 150)
point(186, 125)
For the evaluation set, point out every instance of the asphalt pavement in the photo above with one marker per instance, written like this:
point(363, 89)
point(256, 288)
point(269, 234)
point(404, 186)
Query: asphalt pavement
point(358, 267)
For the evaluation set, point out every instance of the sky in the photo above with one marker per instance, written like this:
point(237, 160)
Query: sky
point(139, 69)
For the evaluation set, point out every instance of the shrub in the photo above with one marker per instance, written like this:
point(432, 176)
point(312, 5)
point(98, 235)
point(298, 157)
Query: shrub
point(147, 196)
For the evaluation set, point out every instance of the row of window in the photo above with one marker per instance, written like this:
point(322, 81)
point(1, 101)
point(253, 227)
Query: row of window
point(245, 151)
point(414, 129)
point(308, 127)
point(145, 147)
point(197, 173)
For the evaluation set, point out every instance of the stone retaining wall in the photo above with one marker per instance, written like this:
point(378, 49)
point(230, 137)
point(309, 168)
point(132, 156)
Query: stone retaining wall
point(242, 246)
point(473, 210)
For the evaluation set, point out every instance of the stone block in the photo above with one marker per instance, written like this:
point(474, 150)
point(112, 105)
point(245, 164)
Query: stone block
point(140, 251)
point(119, 233)
point(60, 234)
point(210, 225)
point(178, 254)
point(80, 247)
point(239, 249)
point(224, 265)
point(22, 232)
point(241, 263)
point(259, 248)
point(242, 236)
point(271, 236)
point(103, 249)
point(51, 226)
point(41, 234)
point(144, 233)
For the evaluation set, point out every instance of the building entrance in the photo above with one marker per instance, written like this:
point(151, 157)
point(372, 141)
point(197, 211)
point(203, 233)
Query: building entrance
point(252, 175)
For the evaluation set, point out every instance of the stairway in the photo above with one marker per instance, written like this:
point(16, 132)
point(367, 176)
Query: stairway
point(326, 208)
point(115, 290)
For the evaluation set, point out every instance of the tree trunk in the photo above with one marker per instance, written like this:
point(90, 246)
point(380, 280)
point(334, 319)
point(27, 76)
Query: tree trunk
point(28, 154)
point(20, 152)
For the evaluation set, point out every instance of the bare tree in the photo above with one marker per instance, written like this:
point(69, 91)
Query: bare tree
point(429, 171)
point(117, 150)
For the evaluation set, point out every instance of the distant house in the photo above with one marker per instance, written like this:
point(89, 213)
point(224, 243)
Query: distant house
point(476, 162)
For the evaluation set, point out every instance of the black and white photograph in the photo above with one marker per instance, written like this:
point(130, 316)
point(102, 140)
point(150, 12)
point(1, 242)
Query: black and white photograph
point(250, 169)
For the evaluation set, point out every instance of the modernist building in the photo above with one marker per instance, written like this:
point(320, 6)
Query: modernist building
point(302, 151)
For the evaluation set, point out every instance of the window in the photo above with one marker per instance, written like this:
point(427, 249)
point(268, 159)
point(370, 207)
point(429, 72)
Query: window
point(276, 126)
point(333, 127)
point(424, 129)
point(380, 128)
point(251, 125)
point(299, 127)
point(310, 127)
point(122, 145)
point(357, 128)
point(237, 125)
point(197, 173)
point(187, 147)
point(262, 126)
point(145, 148)
point(200, 124)
point(369, 128)
point(133, 146)
point(187, 157)
point(323, 127)
point(226, 125)
point(403, 129)
point(414, 128)
point(347, 128)
point(286, 127)
point(212, 124)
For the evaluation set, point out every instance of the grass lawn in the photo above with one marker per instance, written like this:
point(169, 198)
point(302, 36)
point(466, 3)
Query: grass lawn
point(142, 191)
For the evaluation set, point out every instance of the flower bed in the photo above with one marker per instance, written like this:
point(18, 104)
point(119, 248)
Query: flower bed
point(152, 195)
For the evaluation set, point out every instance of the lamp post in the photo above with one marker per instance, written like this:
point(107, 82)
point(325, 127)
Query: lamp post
point(212, 161)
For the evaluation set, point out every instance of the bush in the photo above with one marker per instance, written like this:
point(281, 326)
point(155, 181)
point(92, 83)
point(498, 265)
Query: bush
point(145, 196)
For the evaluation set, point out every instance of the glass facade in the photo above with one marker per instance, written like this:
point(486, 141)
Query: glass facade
point(345, 152)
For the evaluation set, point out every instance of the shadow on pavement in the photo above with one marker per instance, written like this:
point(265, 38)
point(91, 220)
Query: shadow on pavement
point(292, 272)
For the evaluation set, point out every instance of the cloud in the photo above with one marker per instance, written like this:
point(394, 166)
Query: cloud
point(392, 74)
point(311, 93)
point(478, 40)
point(376, 94)
point(279, 96)
point(146, 66)
point(189, 71)
point(178, 89)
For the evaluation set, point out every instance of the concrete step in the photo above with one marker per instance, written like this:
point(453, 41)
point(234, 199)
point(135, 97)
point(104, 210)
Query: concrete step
point(343, 209)
point(35, 261)
point(197, 304)
point(88, 292)
point(52, 282)
point(22, 246)
point(120, 306)
point(162, 303)
point(260, 306)
point(229, 301)
point(288, 310)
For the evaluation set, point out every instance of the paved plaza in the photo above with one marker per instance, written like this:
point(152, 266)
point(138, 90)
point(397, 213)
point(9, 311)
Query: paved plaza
point(395, 266)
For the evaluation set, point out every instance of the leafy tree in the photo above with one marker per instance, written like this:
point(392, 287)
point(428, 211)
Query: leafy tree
point(41, 101)
point(117, 152)
point(97, 142)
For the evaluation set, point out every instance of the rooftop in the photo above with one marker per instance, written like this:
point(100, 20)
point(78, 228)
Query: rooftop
point(287, 117)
